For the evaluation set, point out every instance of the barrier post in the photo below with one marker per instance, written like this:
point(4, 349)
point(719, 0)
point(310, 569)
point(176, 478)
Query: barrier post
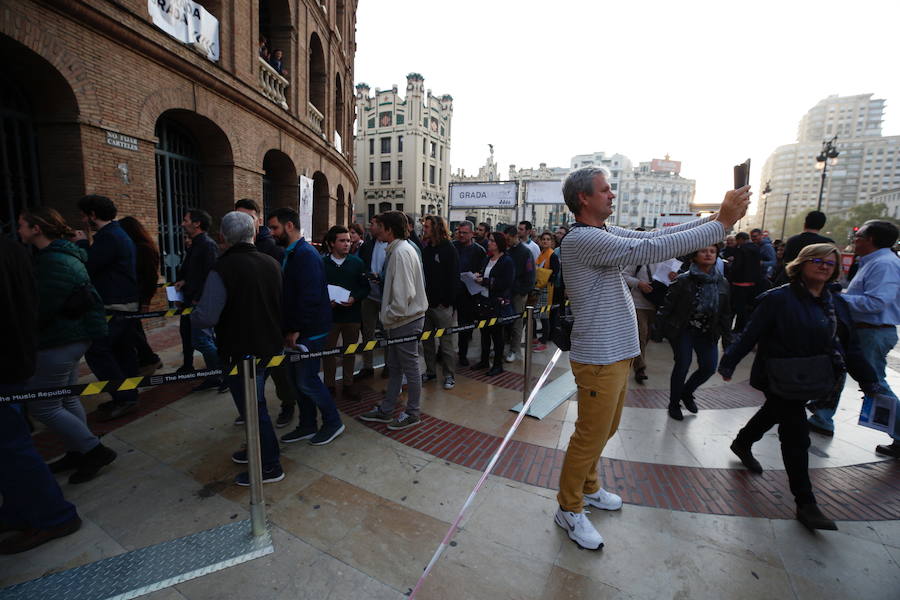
point(254, 455)
point(529, 336)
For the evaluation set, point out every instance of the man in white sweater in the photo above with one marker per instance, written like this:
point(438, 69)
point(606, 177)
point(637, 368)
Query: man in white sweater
point(605, 332)
point(403, 306)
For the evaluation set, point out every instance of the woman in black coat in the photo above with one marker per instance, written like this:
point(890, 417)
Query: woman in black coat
point(695, 315)
point(497, 276)
point(811, 324)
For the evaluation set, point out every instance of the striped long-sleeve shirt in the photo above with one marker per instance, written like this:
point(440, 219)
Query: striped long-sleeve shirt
point(605, 329)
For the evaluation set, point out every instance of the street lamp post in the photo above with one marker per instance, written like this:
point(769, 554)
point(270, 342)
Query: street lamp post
point(827, 156)
point(787, 200)
point(765, 194)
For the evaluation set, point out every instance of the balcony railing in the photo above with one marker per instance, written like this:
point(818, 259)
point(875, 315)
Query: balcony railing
point(273, 86)
point(316, 119)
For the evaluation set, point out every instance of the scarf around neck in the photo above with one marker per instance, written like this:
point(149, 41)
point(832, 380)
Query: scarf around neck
point(707, 289)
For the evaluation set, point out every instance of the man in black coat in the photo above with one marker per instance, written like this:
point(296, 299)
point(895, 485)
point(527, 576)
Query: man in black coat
point(523, 285)
point(33, 505)
point(198, 262)
point(472, 257)
point(440, 263)
point(264, 241)
point(746, 279)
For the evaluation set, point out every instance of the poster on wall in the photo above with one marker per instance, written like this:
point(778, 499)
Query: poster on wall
point(188, 22)
point(483, 195)
point(306, 206)
point(672, 219)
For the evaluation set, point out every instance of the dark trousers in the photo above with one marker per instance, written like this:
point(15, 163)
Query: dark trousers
point(684, 347)
point(465, 315)
point(187, 346)
point(741, 304)
point(146, 355)
point(114, 356)
point(493, 334)
point(268, 442)
point(793, 433)
point(31, 496)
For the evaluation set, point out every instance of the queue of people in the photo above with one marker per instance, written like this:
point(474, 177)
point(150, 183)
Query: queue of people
point(262, 289)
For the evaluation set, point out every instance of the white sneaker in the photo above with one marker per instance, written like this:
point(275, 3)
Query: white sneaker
point(580, 530)
point(604, 500)
point(510, 357)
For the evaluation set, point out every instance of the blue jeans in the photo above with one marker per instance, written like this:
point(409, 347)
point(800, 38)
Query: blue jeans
point(31, 496)
point(58, 367)
point(311, 391)
point(114, 356)
point(203, 340)
point(268, 443)
point(876, 344)
point(687, 343)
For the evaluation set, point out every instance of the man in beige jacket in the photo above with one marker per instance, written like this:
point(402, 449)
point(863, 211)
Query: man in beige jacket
point(403, 306)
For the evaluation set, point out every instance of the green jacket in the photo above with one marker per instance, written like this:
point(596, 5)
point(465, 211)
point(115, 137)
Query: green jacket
point(60, 270)
point(351, 274)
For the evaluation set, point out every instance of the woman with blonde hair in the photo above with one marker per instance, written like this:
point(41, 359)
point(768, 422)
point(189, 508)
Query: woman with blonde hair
point(806, 343)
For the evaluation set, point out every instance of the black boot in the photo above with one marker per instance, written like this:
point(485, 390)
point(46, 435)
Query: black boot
point(675, 411)
point(688, 401)
point(812, 517)
point(91, 463)
point(69, 461)
point(743, 452)
point(496, 369)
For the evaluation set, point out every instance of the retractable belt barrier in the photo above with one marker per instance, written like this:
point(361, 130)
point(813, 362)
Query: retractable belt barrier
point(132, 383)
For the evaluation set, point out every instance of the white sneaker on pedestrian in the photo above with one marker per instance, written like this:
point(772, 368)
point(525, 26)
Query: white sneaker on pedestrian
point(449, 382)
point(510, 357)
point(580, 530)
point(603, 500)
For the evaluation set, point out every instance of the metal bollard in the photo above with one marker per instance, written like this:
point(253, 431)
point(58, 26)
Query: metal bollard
point(254, 455)
point(529, 335)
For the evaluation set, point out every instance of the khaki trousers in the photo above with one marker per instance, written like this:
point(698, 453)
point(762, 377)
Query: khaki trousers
point(645, 318)
point(349, 334)
point(601, 395)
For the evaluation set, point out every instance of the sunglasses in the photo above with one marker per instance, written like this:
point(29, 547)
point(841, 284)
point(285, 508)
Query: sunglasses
point(822, 261)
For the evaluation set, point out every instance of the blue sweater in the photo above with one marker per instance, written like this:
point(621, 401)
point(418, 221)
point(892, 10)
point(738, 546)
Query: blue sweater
point(111, 265)
point(306, 307)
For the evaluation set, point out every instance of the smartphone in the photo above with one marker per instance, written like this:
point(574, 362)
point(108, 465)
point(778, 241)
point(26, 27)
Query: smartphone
point(371, 276)
point(742, 174)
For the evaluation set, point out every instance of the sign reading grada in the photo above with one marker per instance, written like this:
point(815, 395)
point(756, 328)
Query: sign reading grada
point(187, 22)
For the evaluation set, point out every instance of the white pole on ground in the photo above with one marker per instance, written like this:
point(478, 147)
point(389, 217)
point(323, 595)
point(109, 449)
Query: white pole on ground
point(455, 525)
point(254, 455)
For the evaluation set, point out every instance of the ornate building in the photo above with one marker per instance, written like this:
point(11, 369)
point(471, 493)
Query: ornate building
point(167, 106)
point(402, 149)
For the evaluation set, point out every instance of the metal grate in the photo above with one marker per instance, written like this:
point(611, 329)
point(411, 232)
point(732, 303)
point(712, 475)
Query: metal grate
point(18, 157)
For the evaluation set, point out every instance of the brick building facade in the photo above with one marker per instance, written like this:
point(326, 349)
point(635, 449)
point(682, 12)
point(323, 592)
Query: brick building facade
point(95, 98)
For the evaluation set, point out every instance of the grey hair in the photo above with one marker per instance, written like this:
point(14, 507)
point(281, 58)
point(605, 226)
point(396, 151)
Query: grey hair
point(466, 223)
point(238, 228)
point(581, 181)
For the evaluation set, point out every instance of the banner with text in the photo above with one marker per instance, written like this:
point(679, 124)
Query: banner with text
point(187, 22)
point(306, 207)
point(543, 192)
point(483, 195)
point(672, 219)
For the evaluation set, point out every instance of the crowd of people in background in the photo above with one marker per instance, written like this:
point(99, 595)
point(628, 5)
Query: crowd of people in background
point(260, 288)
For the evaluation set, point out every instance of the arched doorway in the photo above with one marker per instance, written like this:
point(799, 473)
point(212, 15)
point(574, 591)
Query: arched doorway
point(279, 182)
point(321, 206)
point(340, 217)
point(188, 175)
point(40, 137)
point(318, 79)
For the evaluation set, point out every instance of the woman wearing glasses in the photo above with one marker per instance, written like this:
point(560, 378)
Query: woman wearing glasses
point(806, 343)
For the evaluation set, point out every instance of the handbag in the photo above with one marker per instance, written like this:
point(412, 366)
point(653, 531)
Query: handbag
point(801, 378)
point(656, 296)
point(561, 334)
point(542, 277)
point(485, 307)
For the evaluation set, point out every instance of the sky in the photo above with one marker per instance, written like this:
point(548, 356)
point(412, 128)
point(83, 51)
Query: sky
point(709, 83)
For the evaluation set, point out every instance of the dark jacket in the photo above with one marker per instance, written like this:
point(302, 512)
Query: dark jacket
point(60, 270)
point(18, 313)
point(746, 267)
point(471, 257)
point(147, 269)
point(111, 264)
point(307, 308)
point(798, 242)
point(441, 267)
point(351, 275)
point(674, 314)
point(523, 260)
point(265, 243)
point(789, 322)
point(501, 279)
point(250, 322)
point(198, 262)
